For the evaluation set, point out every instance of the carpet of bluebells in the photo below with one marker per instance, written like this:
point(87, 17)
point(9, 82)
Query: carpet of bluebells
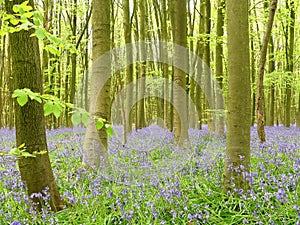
point(188, 192)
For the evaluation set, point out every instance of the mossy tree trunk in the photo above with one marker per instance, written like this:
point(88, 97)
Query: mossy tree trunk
point(36, 172)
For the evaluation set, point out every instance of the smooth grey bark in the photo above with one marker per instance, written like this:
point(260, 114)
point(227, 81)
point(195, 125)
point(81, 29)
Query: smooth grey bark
point(95, 142)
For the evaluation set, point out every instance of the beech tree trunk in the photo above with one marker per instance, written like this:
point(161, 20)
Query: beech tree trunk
point(129, 69)
point(219, 123)
point(2, 58)
point(180, 103)
point(239, 96)
point(298, 113)
point(207, 60)
point(272, 88)
point(36, 172)
point(95, 143)
point(200, 52)
point(140, 123)
point(290, 62)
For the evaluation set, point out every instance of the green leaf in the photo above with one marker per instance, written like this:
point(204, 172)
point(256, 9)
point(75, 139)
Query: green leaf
point(21, 10)
point(33, 96)
point(53, 39)
point(56, 111)
point(28, 14)
point(38, 99)
point(109, 130)
point(48, 108)
point(52, 49)
point(25, 6)
point(16, 8)
point(22, 99)
point(25, 25)
point(22, 146)
point(76, 118)
point(2, 32)
point(16, 93)
point(85, 118)
point(27, 154)
point(37, 19)
point(99, 124)
point(13, 29)
point(14, 21)
point(14, 151)
point(7, 17)
point(39, 32)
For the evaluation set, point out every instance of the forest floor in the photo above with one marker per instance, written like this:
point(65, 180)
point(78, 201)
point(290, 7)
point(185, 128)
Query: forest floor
point(151, 181)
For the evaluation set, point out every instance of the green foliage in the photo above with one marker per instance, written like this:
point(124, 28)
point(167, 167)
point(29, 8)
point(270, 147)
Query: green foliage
point(99, 124)
point(24, 18)
point(80, 116)
point(174, 200)
point(23, 95)
point(280, 79)
point(55, 106)
point(20, 152)
point(109, 129)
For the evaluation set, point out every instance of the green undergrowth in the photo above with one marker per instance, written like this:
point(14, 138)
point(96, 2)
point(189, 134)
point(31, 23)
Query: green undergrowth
point(190, 196)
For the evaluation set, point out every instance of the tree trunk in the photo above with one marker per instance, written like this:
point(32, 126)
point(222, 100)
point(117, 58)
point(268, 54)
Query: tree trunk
point(129, 68)
point(142, 66)
point(10, 116)
point(95, 146)
point(73, 25)
point(261, 70)
point(272, 88)
point(298, 112)
point(219, 69)
point(66, 92)
point(253, 71)
point(2, 87)
point(165, 67)
point(30, 127)
point(208, 75)
point(200, 52)
point(239, 95)
point(290, 62)
point(192, 64)
point(180, 104)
